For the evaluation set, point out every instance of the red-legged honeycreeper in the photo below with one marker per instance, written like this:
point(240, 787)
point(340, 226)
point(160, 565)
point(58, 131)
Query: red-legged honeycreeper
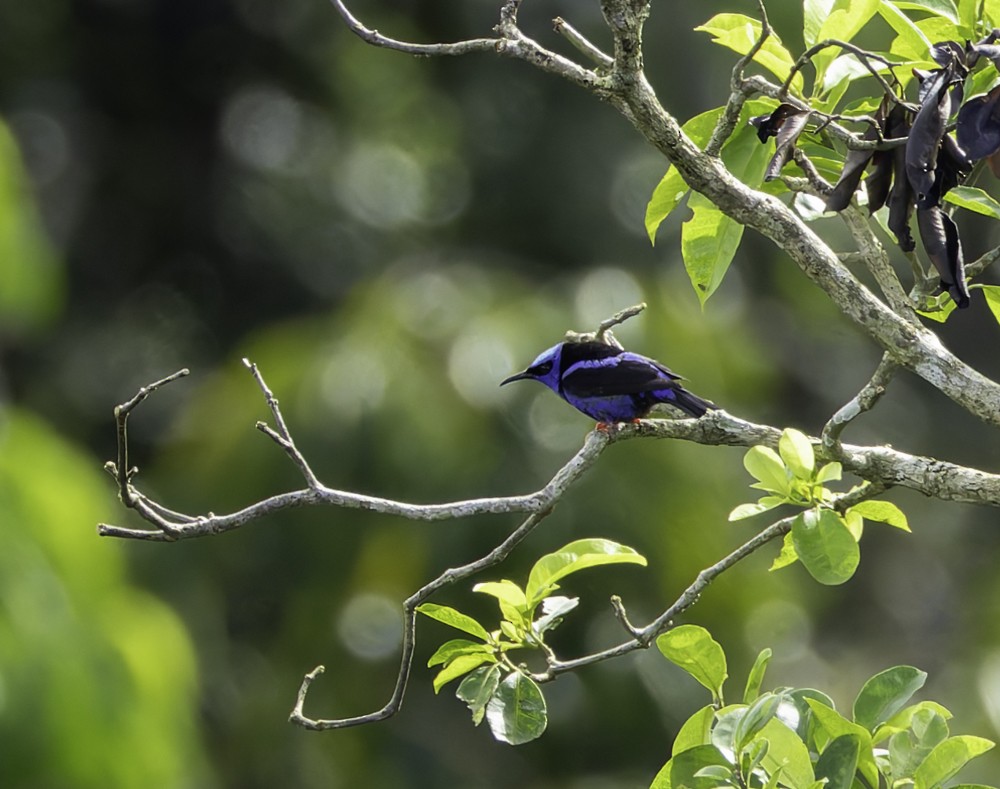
point(609, 384)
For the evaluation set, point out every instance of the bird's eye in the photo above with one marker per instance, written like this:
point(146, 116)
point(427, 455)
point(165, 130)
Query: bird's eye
point(542, 369)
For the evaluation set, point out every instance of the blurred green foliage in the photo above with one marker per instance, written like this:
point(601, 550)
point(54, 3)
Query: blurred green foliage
point(98, 678)
point(388, 238)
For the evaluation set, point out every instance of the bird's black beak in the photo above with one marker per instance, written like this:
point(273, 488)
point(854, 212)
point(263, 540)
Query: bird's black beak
point(518, 377)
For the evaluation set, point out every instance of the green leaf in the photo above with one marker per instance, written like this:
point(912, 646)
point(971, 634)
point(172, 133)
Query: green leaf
point(909, 748)
point(450, 650)
point(553, 610)
point(757, 716)
point(883, 512)
point(709, 238)
point(513, 603)
point(943, 8)
point(835, 725)
point(455, 619)
point(755, 508)
point(840, 19)
point(696, 730)
point(973, 198)
point(797, 452)
point(825, 546)
point(577, 555)
point(992, 294)
point(902, 719)
point(839, 761)
point(911, 43)
point(739, 33)
point(764, 465)
point(693, 649)
point(786, 556)
point(884, 694)
point(756, 676)
point(948, 758)
point(672, 187)
point(830, 472)
point(478, 688)
point(786, 752)
point(516, 711)
point(686, 766)
point(460, 666)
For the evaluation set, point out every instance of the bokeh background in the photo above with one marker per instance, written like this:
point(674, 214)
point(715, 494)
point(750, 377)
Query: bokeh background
point(188, 182)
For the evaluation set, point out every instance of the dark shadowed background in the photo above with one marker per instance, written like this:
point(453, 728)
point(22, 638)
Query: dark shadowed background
point(188, 182)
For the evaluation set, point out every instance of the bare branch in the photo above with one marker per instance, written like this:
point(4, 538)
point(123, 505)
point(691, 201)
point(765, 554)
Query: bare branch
point(571, 34)
point(448, 577)
point(862, 55)
point(863, 401)
point(738, 89)
point(375, 38)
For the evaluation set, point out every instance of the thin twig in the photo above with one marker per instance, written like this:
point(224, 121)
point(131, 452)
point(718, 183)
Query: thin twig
point(739, 91)
point(870, 394)
point(448, 577)
point(578, 40)
point(427, 50)
point(281, 436)
point(863, 55)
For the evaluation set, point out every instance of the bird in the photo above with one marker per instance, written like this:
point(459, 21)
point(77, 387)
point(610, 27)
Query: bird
point(609, 384)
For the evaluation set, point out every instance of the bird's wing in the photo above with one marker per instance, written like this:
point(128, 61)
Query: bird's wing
point(626, 373)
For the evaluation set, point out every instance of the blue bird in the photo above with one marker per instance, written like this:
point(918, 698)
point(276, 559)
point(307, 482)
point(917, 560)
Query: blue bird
point(609, 384)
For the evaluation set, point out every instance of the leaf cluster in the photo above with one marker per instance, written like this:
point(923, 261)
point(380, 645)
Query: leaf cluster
point(796, 738)
point(495, 688)
point(822, 537)
point(920, 141)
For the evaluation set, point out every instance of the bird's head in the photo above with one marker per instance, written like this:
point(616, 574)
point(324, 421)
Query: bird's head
point(544, 369)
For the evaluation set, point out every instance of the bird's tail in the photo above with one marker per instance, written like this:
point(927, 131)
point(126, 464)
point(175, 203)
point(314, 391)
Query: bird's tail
point(690, 403)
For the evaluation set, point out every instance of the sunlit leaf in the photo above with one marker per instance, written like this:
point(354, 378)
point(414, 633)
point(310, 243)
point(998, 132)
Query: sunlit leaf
point(672, 187)
point(992, 294)
point(756, 676)
point(758, 714)
point(696, 730)
point(509, 595)
point(516, 711)
point(765, 465)
point(739, 33)
point(883, 512)
point(974, 199)
point(478, 688)
point(942, 8)
point(455, 619)
point(948, 758)
point(796, 451)
point(825, 546)
point(842, 20)
point(755, 508)
point(902, 720)
point(787, 752)
point(884, 694)
point(577, 555)
point(693, 649)
point(459, 667)
point(910, 43)
point(786, 556)
point(449, 650)
point(553, 609)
